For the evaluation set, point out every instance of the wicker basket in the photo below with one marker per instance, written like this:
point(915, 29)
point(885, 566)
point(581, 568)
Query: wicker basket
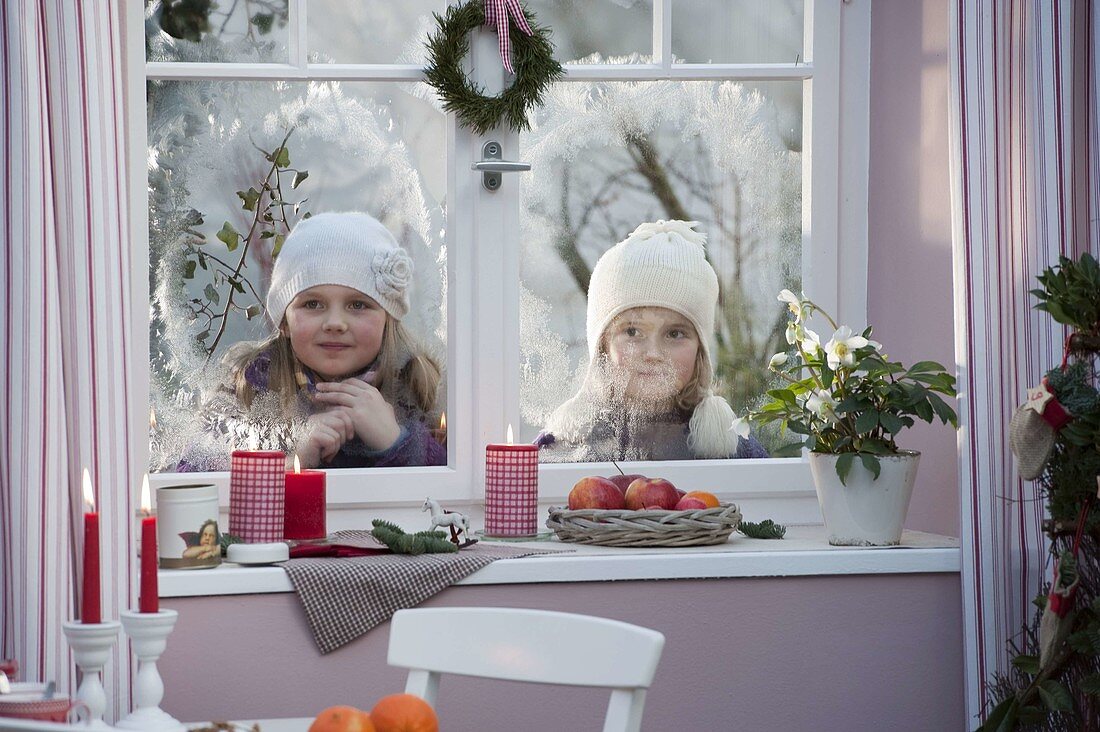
point(645, 528)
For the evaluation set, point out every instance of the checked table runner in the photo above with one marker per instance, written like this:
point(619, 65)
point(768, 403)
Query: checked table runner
point(344, 597)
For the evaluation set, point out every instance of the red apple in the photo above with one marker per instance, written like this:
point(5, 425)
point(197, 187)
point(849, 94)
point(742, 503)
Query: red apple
point(689, 504)
point(651, 493)
point(595, 492)
point(623, 481)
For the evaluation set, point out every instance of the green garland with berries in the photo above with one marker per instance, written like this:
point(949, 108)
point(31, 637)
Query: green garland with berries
point(532, 58)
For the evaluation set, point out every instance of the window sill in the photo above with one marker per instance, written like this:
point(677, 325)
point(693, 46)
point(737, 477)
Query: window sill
point(802, 553)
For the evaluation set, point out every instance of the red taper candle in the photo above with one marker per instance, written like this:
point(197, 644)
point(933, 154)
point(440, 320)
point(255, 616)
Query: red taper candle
point(89, 595)
point(148, 595)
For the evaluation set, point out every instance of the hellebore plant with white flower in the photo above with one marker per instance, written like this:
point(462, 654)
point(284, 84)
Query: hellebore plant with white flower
point(845, 398)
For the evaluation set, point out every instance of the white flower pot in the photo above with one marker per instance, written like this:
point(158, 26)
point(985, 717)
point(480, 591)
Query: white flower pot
point(866, 511)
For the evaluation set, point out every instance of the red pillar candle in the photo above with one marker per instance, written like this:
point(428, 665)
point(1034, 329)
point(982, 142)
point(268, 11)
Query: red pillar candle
point(89, 594)
point(511, 489)
point(148, 594)
point(304, 515)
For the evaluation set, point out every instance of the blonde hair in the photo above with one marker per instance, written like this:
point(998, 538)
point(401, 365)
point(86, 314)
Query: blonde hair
point(401, 361)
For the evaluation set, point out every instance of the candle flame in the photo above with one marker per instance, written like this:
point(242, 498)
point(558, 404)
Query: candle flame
point(146, 499)
point(443, 421)
point(510, 440)
point(297, 464)
point(89, 495)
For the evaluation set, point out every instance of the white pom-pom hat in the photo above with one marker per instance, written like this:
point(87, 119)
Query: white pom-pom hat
point(663, 264)
point(351, 249)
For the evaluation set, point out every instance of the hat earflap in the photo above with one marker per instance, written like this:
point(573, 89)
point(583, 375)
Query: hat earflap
point(709, 434)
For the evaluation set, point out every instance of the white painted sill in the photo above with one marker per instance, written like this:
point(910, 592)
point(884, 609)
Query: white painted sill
point(803, 552)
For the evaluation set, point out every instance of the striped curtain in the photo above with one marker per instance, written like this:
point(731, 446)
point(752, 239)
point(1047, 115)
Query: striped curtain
point(67, 401)
point(1024, 158)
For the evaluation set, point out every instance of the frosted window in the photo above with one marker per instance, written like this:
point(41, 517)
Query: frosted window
point(216, 30)
point(598, 31)
point(738, 31)
point(609, 156)
point(370, 32)
point(369, 147)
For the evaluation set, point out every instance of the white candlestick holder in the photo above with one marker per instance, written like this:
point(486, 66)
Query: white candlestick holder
point(91, 644)
point(149, 635)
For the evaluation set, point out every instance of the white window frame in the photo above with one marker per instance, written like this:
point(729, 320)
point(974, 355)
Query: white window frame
point(484, 277)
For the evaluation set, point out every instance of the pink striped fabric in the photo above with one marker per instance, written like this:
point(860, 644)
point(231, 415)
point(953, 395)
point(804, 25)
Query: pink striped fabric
point(67, 396)
point(1024, 160)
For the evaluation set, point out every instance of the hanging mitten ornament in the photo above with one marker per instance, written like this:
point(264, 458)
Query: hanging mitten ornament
point(1054, 625)
point(1032, 429)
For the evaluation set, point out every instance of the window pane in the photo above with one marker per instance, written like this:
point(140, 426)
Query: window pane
point(607, 157)
point(737, 31)
point(365, 147)
point(373, 32)
point(201, 30)
point(598, 31)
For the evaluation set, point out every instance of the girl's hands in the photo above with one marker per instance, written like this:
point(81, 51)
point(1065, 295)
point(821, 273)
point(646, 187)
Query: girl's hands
point(371, 415)
point(326, 433)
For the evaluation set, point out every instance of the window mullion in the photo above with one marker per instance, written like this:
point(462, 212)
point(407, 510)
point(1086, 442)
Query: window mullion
point(662, 34)
point(297, 43)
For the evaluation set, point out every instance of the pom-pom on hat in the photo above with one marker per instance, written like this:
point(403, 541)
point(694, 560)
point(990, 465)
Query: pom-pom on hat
point(350, 249)
point(661, 264)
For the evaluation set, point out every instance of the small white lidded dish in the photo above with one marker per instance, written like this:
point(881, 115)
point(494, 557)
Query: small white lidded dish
point(257, 554)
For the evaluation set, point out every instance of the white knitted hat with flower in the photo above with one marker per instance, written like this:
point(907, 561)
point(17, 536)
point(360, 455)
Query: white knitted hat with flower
point(663, 264)
point(350, 249)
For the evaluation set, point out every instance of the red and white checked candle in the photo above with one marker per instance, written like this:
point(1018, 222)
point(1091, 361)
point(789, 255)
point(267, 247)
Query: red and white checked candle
point(511, 489)
point(257, 491)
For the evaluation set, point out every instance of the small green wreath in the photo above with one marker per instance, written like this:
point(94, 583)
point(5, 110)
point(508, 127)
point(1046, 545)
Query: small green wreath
point(532, 58)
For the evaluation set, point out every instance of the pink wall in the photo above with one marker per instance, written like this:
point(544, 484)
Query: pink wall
point(909, 270)
point(799, 653)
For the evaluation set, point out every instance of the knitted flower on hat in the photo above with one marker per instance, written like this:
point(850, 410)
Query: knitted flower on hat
point(351, 249)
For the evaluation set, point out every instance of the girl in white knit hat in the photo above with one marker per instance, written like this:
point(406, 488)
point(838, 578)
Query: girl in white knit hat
point(341, 382)
point(648, 392)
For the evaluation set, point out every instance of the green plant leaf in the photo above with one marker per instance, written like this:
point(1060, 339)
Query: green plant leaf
point(277, 246)
point(229, 235)
point(1055, 696)
point(249, 198)
point(792, 450)
point(252, 311)
point(300, 176)
point(212, 294)
point(189, 269)
point(891, 423)
point(1002, 717)
point(1027, 664)
point(282, 157)
point(236, 283)
point(1090, 684)
point(866, 421)
point(844, 466)
point(871, 463)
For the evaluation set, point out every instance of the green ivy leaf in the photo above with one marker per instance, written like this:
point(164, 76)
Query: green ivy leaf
point(281, 157)
point(189, 269)
point(1055, 696)
point(300, 176)
point(263, 22)
point(229, 235)
point(236, 283)
point(278, 246)
point(252, 311)
point(212, 294)
point(249, 197)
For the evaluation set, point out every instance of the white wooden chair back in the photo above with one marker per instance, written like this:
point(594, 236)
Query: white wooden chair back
point(536, 646)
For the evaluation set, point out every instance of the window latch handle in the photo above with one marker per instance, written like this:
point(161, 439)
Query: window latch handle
point(491, 166)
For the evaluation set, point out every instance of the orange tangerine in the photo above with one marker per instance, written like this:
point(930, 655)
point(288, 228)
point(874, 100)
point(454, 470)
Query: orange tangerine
point(342, 719)
point(709, 499)
point(404, 713)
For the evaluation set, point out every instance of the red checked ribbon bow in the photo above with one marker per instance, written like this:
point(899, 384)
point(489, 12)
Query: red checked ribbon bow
point(496, 14)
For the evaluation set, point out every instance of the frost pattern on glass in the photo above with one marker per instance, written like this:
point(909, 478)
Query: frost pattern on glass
point(205, 142)
point(597, 31)
point(607, 156)
point(745, 31)
point(253, 31)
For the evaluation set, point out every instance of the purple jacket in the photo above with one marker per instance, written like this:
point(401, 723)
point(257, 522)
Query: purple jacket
point(224, 420)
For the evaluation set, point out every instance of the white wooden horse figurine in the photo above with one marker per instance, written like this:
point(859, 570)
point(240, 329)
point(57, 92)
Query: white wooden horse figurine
point(456, 521)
